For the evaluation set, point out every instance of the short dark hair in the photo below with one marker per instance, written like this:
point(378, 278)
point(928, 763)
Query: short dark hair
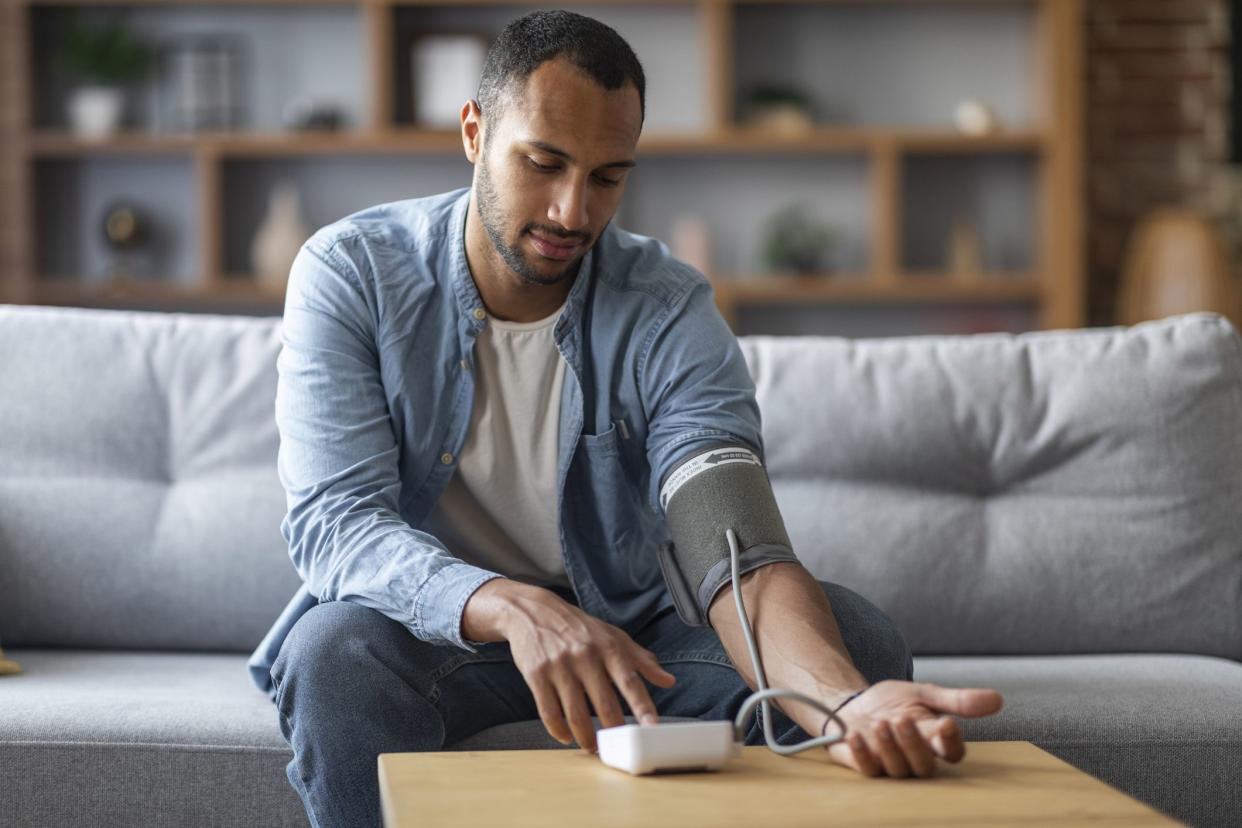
point(530, 41)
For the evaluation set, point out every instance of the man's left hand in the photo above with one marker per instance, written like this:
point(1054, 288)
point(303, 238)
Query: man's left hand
point(898, 728)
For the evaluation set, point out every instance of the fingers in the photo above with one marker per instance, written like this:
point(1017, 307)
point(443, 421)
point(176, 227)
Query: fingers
point(882, 748)
point(548, 703)
point(946, 739)
point(918, 753)
point(969, 702)
point(860, 756)
point(884, 744)
point(573, 701)
point(636, 696)
point(649, 666)
point(603, 699)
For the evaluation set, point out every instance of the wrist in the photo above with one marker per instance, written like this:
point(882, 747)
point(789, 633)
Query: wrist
point(492, 610)
point(841, 706)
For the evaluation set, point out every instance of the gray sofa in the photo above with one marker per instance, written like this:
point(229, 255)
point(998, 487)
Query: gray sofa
point(1055, 515)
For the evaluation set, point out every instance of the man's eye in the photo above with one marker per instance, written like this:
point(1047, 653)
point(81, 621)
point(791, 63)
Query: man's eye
point(543, 167)
point(608, 182)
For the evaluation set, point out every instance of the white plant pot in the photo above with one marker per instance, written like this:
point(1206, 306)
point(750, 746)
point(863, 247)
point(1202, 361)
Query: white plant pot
point(95, 111)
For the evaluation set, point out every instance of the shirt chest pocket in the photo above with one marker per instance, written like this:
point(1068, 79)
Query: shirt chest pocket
point(603, 500)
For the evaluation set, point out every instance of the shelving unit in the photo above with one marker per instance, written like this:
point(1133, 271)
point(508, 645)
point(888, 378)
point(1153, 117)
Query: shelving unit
point(868, 168)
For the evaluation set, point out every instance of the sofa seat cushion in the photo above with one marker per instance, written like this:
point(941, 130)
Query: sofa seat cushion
point(187, 736)
point(115, 738)
point(1163, 728)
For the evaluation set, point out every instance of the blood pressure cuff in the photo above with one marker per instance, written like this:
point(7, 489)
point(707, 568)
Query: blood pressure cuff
point(720, 489)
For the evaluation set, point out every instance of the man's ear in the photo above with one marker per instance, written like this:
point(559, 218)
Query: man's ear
point(472, 130)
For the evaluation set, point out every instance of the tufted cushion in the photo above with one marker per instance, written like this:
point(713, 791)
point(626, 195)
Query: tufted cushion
point(139, 503)
point(1056, 492)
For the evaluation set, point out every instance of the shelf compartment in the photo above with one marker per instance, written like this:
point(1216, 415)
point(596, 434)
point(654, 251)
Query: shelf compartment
point(317, 52)
point(890, 63)
point(71, 197)
point(667, 37)
point(329, 188)
point(995, 194)
point(736, 196)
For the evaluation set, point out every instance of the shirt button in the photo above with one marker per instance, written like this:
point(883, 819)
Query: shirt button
point(479, 313)
point(465, 366)
point(446, 458)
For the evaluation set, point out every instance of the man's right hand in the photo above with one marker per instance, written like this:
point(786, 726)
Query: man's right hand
point(566, 657)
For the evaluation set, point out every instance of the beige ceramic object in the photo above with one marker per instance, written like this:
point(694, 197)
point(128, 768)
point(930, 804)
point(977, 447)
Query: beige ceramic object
point(1176, 263)
point(8, 667)
point(279, 238)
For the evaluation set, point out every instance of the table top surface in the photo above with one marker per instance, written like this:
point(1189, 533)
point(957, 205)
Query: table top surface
point(997, 783)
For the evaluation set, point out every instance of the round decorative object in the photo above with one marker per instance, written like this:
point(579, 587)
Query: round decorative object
point(123, 227)
point(974, 117)
point(128, 233)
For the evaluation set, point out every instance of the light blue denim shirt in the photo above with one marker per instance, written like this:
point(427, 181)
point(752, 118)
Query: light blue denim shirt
point(374, 399)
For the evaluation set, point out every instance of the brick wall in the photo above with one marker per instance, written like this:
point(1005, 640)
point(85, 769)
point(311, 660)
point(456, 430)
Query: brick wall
point(1157, 126)
point(8, 159)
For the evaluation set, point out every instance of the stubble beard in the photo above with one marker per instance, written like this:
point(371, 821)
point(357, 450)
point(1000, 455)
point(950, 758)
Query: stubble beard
point(493, 218)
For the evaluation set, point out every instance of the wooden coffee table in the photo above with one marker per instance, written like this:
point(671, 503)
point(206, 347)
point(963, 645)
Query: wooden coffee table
point(997, 783)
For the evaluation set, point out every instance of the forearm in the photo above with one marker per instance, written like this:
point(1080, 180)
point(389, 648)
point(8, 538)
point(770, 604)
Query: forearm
point(797, 636)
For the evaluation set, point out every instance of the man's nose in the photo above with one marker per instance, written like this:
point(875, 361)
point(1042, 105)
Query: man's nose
point(568, 208)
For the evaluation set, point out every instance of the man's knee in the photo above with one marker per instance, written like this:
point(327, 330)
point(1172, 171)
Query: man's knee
point(328, 645)
point(874, 641)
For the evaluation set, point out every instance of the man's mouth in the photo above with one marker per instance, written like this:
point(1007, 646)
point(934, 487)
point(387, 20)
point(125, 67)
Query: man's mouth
point(555, 248)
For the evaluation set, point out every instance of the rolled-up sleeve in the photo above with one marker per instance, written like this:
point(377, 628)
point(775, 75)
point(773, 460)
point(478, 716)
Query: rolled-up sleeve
point(338, 462)
point(697, 390)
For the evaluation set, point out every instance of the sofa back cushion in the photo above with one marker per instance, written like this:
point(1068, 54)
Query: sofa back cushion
point(139, 502)
point(1053, 492)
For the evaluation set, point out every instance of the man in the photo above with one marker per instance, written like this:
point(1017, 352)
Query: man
point(482, 399)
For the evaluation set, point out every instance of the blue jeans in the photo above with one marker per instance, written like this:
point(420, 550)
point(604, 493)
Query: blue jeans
point(351, 684)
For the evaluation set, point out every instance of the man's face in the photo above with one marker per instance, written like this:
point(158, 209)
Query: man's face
point(553, 169)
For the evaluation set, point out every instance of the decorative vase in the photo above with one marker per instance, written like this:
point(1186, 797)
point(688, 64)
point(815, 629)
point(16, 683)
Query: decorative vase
point(95, 111)
point(279, 238)
point(691, 242)
point(1177, 262)
point(965, 257)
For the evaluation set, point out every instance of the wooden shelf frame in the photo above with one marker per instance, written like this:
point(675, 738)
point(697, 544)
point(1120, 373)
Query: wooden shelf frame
point(1054, 284)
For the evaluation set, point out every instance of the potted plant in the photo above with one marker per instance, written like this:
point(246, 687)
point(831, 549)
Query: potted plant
point(780, 107)
point(794, 242)
point(103, 58)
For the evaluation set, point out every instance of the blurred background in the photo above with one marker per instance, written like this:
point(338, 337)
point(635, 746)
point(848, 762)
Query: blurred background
point(867, 168)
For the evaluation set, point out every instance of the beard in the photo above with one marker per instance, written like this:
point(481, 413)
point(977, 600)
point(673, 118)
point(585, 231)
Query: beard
point(494, 219)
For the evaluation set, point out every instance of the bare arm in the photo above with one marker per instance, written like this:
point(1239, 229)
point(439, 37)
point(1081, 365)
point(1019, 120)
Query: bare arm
point(797, 636)
point(896, 728)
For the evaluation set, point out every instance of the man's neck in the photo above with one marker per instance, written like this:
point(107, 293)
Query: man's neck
point(504, 294)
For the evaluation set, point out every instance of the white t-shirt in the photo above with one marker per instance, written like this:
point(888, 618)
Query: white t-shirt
point(500, 509)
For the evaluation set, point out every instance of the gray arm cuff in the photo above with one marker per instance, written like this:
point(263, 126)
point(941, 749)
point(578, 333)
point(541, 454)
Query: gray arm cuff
point(719, 576)
point(719, 490)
